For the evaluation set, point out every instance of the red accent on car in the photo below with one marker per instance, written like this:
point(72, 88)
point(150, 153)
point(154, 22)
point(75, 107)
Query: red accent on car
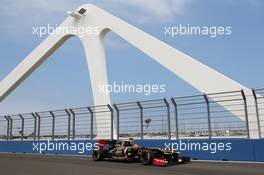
point(158, 161)
point(135, 146)
point(101, 143)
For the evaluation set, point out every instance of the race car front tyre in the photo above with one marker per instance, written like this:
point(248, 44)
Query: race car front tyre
point(175, 157)
point(147, 157)
point(186, 159)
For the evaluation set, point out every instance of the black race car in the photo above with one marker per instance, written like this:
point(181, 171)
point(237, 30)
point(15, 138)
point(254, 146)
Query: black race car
point(127, 150)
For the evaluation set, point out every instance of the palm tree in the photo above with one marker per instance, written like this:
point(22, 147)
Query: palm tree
point(147, 121)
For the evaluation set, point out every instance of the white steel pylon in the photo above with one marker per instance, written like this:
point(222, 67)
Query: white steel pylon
point(198, 75)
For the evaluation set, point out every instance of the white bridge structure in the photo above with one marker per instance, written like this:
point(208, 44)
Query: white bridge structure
point(198, 75)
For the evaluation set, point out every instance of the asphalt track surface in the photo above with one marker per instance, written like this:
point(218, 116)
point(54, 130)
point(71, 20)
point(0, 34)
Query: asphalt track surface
point(19, 164)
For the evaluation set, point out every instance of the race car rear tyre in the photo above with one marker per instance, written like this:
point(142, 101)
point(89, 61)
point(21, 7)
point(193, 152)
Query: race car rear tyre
point(97, 155)
point(147, 157)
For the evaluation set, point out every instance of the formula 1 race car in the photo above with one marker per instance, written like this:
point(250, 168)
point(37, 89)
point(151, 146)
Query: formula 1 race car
point(127, 150)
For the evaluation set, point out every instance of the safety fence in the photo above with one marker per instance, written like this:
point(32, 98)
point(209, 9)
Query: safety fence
point(231, 114)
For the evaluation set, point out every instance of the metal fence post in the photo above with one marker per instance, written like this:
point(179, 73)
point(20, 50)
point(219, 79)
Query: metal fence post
point(53, 125)
point(39, 123)
point(112, 121)
point(73, 123)
point(91, 122)
point(10, 128)
point(168, 115)
point(35, 125)
point(246, 112)
point(69, 123)
point(117, 121)
point(141, 120)
point(7, 128)
point(176, 118)
point(257, 111)
point(208, 116)
point(22, 126)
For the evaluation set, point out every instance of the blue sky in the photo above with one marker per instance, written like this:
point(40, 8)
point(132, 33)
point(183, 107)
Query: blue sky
point(62, 80)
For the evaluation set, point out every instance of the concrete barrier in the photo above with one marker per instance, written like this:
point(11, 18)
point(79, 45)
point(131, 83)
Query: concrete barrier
point(203, 149)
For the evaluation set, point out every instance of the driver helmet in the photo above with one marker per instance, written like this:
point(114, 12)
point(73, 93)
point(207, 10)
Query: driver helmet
point(131, 140)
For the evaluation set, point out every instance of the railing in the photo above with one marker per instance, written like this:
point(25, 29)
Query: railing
point(198, 116)
point(259, 105)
